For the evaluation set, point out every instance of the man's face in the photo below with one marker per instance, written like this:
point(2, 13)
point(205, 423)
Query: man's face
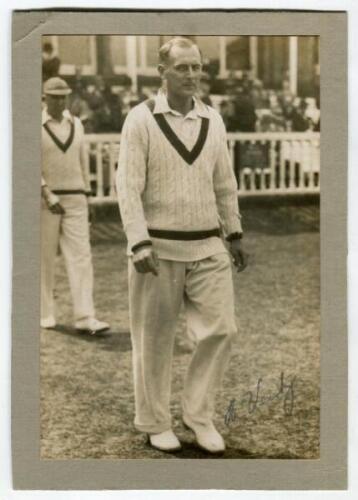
point(46, 54)
point(183, 71)
point(56, 104)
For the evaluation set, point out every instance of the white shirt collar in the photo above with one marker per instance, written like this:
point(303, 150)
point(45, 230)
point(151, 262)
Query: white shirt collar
point(162, 106)
point(46, 117)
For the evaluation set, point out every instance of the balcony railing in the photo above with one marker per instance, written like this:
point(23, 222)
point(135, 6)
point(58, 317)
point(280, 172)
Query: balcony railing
point(264, 163)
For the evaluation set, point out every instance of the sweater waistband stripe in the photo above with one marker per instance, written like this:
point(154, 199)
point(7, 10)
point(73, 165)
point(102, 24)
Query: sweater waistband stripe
point(68, 191)
point(184, 235)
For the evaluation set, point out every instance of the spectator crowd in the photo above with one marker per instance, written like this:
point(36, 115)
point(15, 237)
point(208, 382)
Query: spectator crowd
point(249, 107)
point(246, 106)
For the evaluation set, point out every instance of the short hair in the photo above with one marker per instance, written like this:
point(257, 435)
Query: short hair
point(178, 41)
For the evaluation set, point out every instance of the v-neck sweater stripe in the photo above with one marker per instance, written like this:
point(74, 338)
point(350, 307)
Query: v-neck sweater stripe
point(158, 189)
point(188, 155)
point(62, 145)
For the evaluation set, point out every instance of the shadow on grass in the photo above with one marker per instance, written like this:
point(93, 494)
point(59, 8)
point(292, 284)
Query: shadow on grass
point(108, 341)
point(282, 220)
point(191, 450)
point(114, 341)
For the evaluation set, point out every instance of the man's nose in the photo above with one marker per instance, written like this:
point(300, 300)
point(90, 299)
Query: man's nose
point(192, 72)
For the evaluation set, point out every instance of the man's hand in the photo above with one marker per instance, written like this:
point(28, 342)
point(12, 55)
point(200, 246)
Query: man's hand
point(240, 257)
point(56, 208)
point(145, 260)
point(52, 201)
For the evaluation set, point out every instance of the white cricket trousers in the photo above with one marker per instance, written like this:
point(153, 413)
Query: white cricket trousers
point(206, 289)
point(71, 232)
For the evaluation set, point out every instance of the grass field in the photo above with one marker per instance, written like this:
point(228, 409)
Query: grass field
point(269, 404)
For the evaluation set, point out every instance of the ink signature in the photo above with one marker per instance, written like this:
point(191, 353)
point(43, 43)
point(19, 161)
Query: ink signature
point(252, 400)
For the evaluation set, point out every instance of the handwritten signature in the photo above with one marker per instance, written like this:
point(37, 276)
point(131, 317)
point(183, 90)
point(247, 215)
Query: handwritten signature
point(252, 400)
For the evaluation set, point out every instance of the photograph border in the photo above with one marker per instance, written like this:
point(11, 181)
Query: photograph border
point(29, 471)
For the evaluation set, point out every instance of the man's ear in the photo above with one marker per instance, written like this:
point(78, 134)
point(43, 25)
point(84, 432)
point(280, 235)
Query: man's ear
point(161, 70)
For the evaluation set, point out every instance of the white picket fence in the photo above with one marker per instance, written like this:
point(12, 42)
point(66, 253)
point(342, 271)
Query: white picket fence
point(265, 163)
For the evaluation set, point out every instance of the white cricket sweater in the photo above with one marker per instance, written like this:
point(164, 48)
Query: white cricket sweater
point(64, 170)
point(158, 189)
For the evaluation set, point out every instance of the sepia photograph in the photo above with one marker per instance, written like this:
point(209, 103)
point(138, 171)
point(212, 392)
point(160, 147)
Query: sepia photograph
point(180, 247)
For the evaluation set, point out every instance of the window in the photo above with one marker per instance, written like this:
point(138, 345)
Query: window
point(308, 66)
point(210, 48)
point(237, 53)
point(273, 60)
point(74, 52)
point(151, 51)
point(118, 45)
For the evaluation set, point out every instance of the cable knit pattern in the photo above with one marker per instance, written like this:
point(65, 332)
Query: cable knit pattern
point(158, 189)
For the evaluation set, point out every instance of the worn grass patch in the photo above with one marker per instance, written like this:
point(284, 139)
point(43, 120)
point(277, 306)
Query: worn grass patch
point(272, 382)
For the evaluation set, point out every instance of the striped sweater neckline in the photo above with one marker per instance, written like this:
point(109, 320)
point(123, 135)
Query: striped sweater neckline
point(62, 145)
point(188, 155)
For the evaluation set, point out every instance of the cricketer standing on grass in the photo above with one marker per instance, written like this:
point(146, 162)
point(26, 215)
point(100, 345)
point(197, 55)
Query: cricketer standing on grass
point(177, 193)
point(64, 210)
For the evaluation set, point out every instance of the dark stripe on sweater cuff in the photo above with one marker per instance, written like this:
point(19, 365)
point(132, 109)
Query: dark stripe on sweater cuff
point(144, 243)
point(234, 236)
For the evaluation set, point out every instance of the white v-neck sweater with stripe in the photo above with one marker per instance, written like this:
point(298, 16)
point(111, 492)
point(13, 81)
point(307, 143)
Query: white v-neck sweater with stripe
point(158, 189)
point(64, 170)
